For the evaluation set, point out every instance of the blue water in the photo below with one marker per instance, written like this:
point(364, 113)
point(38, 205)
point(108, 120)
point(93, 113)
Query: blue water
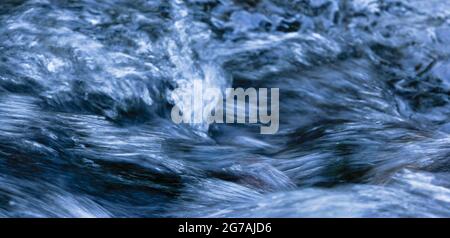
point(86, 90)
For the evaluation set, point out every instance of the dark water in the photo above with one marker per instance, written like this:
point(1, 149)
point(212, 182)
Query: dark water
point(86, 89)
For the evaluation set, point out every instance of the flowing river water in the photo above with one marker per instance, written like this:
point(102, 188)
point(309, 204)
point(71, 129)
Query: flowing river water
point(87, 87)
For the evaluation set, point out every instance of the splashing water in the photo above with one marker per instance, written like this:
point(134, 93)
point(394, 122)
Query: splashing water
point(86, 89)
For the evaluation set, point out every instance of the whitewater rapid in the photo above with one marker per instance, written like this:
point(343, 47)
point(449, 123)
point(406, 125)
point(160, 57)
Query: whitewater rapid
point(87, 87)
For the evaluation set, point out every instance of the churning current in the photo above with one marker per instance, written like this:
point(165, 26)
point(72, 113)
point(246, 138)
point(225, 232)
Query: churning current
point(87, 88)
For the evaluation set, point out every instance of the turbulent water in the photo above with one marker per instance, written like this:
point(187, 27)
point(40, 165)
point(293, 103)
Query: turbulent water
point(86, 90)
